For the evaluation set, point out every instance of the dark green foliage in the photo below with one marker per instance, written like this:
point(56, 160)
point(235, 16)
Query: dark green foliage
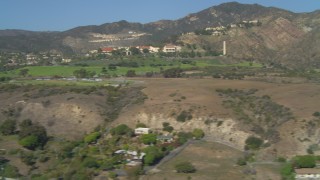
point(307, 161)
point(316, 114)
point(287, 171)
point(131, 64)
point(247, 107)
point(8, 127)
point(145, 51)
point(185, 167)
point(82, 73)
point(167, 127)
point(253, 143)
point(202, 32)
point(23, 72)
point(149, 74)
point(153, 155)
point(90, 162)
point(241, 162)
point(112, 67)
point(184, 136)
point(134, 51)
point(4, 79)
point(141, 125)
point(92, 137)
point(198, 133)
point(107, 165)
point(9, 171)
point(131, 73)
point(121, 129)
point(184, 116)
point(173, 73)
point(67, 149)
point(28, 158)
point(32, 135)
point(148, 138)
point(281, 159)
point(112, 175)
point(29, 142)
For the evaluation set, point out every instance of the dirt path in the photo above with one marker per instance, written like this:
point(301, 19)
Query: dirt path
point(167, 158)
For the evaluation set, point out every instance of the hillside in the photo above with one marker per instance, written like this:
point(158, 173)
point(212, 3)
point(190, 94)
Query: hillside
point(281, 33)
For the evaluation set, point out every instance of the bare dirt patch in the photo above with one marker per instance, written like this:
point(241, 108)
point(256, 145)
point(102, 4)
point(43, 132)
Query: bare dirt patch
point(212, 161)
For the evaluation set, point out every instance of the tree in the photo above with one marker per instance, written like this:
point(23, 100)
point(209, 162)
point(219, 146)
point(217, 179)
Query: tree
point(173, 73)
point(185, 167)
point(307, 161)
point(253, 143)
point(34, 133)
point(241, 162)
point(112, 67)
point(316, 114)
point(82, 73)
point(198, 133)
point(153, 155)
point(183, 116)
point(23, 72)
point(92, 137)
point(104, 70)
point(121, 129)
point(9, 171)
point(141, 125)
point(29, 142)
point(131, 73)
point(145, 51)
point(90, 162)
point(167, 127)
point(8, 127)
point(28, 158)
point(134, 51)
point(148, 138)
point(184, 136)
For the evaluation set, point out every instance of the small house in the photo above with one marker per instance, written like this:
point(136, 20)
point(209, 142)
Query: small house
point(163, 138)
point(307, 173)
point(139, 131)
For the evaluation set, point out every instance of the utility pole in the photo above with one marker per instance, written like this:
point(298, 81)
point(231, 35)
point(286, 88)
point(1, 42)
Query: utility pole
point(224, 48)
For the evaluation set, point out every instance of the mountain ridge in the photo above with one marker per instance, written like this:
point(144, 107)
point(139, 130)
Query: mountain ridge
point(280, 29)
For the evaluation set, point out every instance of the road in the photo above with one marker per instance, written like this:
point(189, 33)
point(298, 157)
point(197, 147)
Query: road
point(217, 140)
point(168, 157)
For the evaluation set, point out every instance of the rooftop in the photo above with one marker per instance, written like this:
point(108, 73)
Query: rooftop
point(307, 171)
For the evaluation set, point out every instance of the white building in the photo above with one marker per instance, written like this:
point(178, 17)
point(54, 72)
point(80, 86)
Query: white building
point(138, 131)
point(169, 48)
point(307, 173)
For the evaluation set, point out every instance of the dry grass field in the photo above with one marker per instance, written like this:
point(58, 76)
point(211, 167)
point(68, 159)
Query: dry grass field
point(212, 161)
point(168, 97)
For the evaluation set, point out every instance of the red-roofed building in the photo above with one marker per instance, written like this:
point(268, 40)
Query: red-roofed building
point(107, 49)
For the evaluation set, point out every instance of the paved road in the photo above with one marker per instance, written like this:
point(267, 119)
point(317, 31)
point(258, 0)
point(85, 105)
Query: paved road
point(168, 157)
point(217, 140)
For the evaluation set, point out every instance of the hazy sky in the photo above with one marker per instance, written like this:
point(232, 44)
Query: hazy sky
point(59, 15)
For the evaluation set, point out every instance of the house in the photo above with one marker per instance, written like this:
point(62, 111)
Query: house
point(307, 173)
point(150, 48)
point(170, 48)
point(107, 50)
point(133, 158)
point(233, 25)
point(217, 33)
point(163, 138)
point(138, 131)
point(121, 151)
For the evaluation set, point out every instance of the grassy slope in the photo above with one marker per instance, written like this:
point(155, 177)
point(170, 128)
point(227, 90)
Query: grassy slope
point(67, 71)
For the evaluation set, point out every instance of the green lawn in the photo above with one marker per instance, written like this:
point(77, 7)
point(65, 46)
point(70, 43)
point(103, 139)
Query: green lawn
point(144, 66)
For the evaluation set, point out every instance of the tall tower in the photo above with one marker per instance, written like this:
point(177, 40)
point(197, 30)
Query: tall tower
point(224, 48)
